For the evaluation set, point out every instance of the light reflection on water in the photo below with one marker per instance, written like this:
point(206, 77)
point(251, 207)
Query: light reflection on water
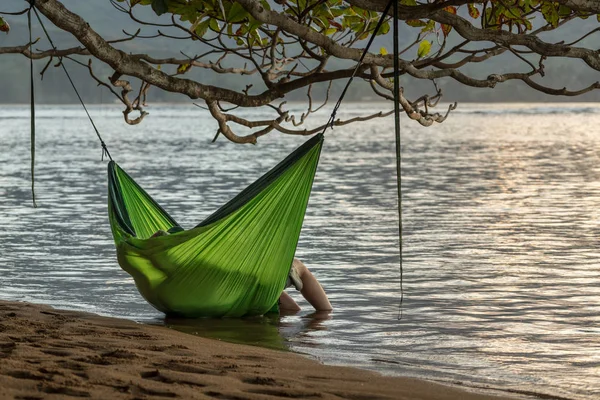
point(501, 217)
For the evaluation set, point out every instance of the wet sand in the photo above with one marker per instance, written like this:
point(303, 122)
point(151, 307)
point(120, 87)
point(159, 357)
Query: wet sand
point(54, 354)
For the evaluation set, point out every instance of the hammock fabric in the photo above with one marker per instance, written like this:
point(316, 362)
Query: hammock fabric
point(234, 263)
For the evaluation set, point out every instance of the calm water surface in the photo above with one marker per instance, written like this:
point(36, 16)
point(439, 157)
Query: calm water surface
point(501, 217)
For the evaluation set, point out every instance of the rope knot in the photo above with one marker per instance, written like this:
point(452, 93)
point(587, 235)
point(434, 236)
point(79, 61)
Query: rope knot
point(105, 150)
point(332, 119)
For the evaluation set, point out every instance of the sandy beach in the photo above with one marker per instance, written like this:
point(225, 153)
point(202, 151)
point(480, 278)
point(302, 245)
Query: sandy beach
point(51, 354)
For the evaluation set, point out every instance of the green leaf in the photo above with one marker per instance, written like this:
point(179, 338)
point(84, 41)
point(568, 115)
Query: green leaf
point(430, 27)
point(550, 13)
point(160, 6)
point(339, 11)
point(202, 28)
point(330, 31)
point(322, 22)
point(564, 11)
point(4, 27)
point(214, 25)
point(352, 22)
point(385, 28)
point(415, 23)
point(473, 11)
point(266, 5)
point(237, 13)
point(183, 68)
point(254, 24)
point(424, 48)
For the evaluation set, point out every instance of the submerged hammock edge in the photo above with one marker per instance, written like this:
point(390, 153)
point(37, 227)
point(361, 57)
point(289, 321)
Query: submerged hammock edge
point(232, 264)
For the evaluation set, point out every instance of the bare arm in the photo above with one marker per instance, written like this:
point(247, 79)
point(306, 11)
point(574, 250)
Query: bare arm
point(312, 290)
point(287, 303)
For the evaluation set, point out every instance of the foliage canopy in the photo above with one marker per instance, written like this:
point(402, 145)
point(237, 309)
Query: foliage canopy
point(305, 45)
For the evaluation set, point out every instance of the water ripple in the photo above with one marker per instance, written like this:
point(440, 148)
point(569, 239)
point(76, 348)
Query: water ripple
point(501, 220)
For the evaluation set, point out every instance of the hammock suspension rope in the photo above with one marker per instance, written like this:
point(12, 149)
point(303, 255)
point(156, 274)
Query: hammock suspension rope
point(102, 143)
point(396, 90)
point(331, 121)
point(32, 110)
point(398, 144)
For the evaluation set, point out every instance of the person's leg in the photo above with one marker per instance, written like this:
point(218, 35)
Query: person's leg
point(312, 290)
point(287, 303)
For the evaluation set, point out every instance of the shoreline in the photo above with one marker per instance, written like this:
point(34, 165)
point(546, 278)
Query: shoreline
point(50, 353)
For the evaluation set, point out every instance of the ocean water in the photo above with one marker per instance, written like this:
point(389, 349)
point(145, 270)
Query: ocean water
point(501, 211)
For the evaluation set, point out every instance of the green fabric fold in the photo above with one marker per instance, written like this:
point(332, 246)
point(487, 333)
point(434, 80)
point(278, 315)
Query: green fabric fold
point(234, 263)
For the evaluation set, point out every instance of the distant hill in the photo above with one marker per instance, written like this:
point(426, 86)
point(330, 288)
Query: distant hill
point(14, 80)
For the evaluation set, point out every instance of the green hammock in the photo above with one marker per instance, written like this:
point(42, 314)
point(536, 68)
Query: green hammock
point(235, 262)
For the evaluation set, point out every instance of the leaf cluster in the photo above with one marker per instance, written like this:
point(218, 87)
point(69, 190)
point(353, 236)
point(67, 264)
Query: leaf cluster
point(228, 17)
point(338, 19)
point(4, 26)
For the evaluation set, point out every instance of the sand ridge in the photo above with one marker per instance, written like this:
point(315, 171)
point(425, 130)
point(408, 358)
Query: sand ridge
point(54, 354)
